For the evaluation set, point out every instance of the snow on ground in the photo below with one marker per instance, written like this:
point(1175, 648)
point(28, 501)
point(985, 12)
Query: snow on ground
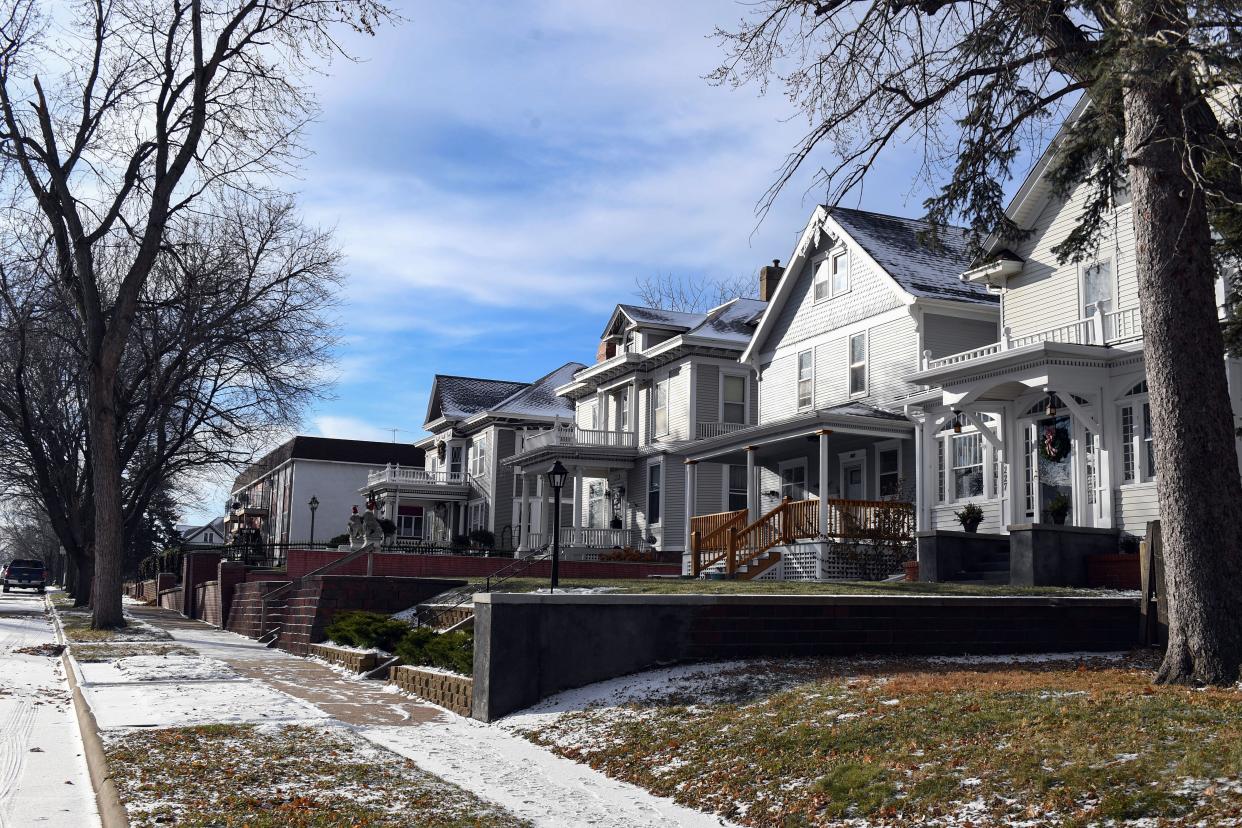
point(1026, 658)
point(176, 704)
point(157, 668)
point(43, 776)
point(531, 782)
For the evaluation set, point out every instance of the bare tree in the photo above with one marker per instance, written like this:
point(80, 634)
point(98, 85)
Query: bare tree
point(26, 533)
point(689, 294)
point(154, 109)
point(969, 84)
point(230, 343)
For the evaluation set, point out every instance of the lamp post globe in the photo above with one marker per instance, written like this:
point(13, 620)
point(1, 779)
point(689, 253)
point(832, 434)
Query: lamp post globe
point(556, 479)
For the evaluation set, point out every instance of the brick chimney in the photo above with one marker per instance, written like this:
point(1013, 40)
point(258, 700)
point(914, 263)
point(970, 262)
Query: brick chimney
point(607, 350)
point(769, 279)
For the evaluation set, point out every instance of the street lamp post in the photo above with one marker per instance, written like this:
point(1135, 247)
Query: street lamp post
point(313, 504)
point(556, 479)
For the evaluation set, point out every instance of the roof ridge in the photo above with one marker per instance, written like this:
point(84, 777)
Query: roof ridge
point(830, 209)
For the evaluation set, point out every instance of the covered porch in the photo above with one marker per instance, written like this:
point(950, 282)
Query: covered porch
point(840, 473)
point(427, 507)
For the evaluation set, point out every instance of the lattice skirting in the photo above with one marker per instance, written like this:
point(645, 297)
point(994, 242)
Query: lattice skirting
point(863, 561)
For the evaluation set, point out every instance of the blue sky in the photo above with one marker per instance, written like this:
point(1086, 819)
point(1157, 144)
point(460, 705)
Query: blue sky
point(498, 176)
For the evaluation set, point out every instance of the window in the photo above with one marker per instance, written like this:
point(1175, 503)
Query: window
point(623, 409)
point(1138, 451)
point(209, 537)
point(890, 471)
point(661, 408)
point(806, 379)
point(840, 274)
point(595, 505)
point(455, 455)
point(736, 496)
point(592, 418)
point(1097, 286)
point(733, 399)
point(476, 516)
point(410, 522)
point(940, 470)
point(653, 493)
point(478, 457)
point(967, 452)
point(858, 363)
point(793, 481)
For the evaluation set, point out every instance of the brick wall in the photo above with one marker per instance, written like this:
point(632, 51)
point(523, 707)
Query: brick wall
point(171, 599)
point(196, 567)
point(231, 573)
point(207, 603)
point(448, 691)
point(302, 561)
point(246, 612)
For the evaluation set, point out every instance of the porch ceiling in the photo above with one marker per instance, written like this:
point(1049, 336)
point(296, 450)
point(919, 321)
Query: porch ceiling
point(790, 435)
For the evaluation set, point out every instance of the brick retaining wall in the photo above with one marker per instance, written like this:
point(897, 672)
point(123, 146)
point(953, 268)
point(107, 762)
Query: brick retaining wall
point(207, 603)
point(449, 691)
point(171, 599)
point(349, 659)
point(245, 612)
point(302, 561)
point(196, 567)
point(529, 646)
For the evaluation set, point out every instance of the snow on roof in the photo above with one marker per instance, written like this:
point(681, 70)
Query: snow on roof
point(735, 320)
point(895, 245)
point(459, 397)
point(857, 409)
point(539, 399)
point(655, 316)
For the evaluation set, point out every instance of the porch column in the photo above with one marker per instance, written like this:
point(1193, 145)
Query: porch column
point(524, 515)
point(823, 480)
point(920, 474)
point(692, 491)
point(577, 524)
point(752, 485)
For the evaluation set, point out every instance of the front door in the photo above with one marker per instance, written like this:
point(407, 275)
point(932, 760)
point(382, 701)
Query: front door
point(1050, 470)
point(854, 482)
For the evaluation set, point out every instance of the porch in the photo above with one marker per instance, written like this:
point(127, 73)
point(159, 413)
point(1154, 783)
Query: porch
point(427, 507)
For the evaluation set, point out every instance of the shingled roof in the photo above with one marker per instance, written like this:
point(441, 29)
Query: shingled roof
point(302, 447)
point(457, 398)
point(539, 399)
point(895, 245)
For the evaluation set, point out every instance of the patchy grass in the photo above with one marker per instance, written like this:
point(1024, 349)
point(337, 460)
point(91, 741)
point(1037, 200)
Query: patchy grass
point(77, 626)
point(87, 653)
point(923, 742)
point(689, 586)
point(292, 777)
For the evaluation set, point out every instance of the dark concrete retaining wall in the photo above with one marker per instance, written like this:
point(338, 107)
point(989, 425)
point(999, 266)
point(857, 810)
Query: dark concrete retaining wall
point(944, 555)
point(1044, 554)
point(449, 691)
point(409, 565)
point(528, 647)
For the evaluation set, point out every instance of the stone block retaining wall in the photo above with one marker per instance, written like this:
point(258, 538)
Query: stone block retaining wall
point(449, 691)
point(349, 659)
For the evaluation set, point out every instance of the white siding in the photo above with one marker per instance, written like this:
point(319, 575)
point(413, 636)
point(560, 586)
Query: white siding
point(1134, 505)
point(945, 335)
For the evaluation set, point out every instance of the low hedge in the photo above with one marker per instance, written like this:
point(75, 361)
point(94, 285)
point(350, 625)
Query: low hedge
point(448, 651)
point(367, 630)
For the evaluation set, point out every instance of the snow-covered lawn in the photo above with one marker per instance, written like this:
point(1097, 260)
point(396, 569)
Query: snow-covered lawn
point(1078, 740)
point(43, 777)
point(274, 775)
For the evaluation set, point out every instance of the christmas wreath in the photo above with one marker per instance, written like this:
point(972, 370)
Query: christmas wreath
point(1055, 446)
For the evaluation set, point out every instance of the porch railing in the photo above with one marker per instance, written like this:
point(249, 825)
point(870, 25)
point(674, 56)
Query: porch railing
point(584, 538)
point(1102, 328)
point(574, 436)
point(416, 477)
point(726, 537)
point(705, 431)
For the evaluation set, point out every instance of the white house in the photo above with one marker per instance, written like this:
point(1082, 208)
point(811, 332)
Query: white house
point(862, 298)
point(1048, 422)
point(212, 533)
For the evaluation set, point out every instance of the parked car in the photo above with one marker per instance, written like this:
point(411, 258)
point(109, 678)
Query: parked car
point(25, 574)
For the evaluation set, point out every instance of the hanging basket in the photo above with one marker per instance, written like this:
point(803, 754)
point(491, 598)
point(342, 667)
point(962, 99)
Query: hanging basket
point(1054, 445)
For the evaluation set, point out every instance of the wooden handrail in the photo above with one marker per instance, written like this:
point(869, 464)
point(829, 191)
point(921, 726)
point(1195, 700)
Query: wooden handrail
point(707, 549)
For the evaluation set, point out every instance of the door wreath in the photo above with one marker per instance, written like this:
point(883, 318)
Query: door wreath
point(1055, 446)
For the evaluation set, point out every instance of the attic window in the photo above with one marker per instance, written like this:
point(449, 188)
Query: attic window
point(832, 276)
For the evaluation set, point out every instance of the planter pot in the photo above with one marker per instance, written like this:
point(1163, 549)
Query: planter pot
point(1058, 519)
point(615, 523)
point(912, 570)
point(972, 526)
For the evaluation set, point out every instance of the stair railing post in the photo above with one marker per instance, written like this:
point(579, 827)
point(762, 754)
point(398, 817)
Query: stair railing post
point(731, 551)
point(694, 554)
point(786, 520)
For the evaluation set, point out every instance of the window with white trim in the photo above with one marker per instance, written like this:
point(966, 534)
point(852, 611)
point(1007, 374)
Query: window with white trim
point(966, 451)
point(478, 457)
point(476, 515)
point(839, 273)
point(623, 409)
point(1138, 450)
point(806, 379)
point(858, 363)
point(410, 522)
point(733, 399)
point(940, 471)
point(660, 408)
point(653, 492)
point(1097, 286)
point(592, 418)
point(596, 505)
point(736, 496)
point(455, 459)
point(819, 285)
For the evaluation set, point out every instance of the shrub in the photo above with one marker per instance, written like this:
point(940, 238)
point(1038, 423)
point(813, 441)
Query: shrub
point(423, 646)
point(366, 629)
point(482, 538)
point(337, 540)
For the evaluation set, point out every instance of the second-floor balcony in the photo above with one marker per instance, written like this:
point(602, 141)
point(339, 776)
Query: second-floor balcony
point(706, 431)
point(419, 481)
point(1101, 328)
point(578, 437)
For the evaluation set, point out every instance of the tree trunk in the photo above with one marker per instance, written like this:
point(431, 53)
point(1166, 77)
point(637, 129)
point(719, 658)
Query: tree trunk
point(83, 580)
point(106, 482)
point(1192, 422)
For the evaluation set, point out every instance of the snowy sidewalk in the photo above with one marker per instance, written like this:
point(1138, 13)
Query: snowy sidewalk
point(486, 760)
point(43, 776)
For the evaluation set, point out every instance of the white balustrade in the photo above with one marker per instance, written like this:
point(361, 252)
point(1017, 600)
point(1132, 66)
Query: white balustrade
point(573, 436)
point(1102, 328)
point(706, 431)
point(416, 477)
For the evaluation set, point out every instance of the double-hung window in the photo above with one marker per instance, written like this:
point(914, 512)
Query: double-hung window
point(967, 455)
point(806, 379)
point(595, 505)
point(1138, 451)
point(455, 460)
point(1097, 287)
point(889, 471)
point(733, 399)
point(839, 273)
point(478, 457)
point(858, 363)
point(660, 408)
point(653, 492)
point(736, 496)
point(623, 409)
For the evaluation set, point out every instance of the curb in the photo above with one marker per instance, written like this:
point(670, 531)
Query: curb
point(111, 812)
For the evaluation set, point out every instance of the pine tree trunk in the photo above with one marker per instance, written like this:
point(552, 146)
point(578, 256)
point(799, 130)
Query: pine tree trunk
point(1196, 461)
point(106, 480)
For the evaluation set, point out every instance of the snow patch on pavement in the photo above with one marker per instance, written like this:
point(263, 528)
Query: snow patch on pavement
point(531, 782)
point(171, 704)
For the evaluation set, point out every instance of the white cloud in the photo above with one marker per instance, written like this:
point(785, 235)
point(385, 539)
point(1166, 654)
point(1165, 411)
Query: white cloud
point(348, 428)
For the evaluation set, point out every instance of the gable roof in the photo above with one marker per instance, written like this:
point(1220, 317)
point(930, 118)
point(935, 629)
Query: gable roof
point(456, 398)
point(734, 321)
point(653, 317)
point(303, 447)
point(539, 398)
point(895, 245)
